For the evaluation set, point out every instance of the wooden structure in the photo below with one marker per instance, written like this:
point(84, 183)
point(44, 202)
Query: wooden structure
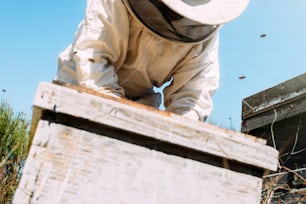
point(92, 148)
point(278, 114)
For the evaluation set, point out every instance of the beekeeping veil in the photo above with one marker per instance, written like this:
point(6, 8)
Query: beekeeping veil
point(186, 20)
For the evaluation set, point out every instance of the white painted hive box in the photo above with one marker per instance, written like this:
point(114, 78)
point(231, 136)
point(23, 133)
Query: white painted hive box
point(90, 148)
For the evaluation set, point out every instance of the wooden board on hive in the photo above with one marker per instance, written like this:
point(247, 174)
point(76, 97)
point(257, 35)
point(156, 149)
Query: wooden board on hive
point(152, 123)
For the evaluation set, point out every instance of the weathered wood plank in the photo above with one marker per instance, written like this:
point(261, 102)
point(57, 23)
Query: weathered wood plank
point(160, 125)
point(99, 169)
point(280, 95)
point(274, 114)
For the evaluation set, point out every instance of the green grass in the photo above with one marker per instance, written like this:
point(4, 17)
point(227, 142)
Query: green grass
point(13, 150)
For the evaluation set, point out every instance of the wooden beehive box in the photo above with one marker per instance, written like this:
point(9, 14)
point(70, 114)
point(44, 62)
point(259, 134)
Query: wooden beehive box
point(91, 148)
point(278, 114)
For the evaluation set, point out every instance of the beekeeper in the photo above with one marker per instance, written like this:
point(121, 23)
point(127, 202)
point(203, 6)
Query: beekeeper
point(126, 47)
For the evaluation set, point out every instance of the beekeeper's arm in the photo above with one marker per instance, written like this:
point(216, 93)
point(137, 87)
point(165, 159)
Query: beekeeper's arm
point(99, 47)
point(192, 87)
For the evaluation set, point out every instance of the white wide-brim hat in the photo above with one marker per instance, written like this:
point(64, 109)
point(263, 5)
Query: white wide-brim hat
point(209, 12)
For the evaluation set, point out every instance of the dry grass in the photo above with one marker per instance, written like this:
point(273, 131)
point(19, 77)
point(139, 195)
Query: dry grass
point(287, 186)
point(13, 150)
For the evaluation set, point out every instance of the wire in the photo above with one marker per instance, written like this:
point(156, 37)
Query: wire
point(272, 132)
point(283, 173)
point(297, 137)
point(248, 105)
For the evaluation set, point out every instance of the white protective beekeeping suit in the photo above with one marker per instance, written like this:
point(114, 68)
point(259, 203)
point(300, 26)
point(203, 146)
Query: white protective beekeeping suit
point(115, 53)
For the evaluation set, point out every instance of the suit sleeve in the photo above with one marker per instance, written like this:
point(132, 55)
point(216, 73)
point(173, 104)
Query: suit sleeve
point(194, 83)
point(99, 47)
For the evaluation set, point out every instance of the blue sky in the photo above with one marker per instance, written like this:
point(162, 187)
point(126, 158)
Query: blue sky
point(34, 32)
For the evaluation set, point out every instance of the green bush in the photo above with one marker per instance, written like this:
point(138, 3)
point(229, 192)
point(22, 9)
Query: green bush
point(13, 150)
